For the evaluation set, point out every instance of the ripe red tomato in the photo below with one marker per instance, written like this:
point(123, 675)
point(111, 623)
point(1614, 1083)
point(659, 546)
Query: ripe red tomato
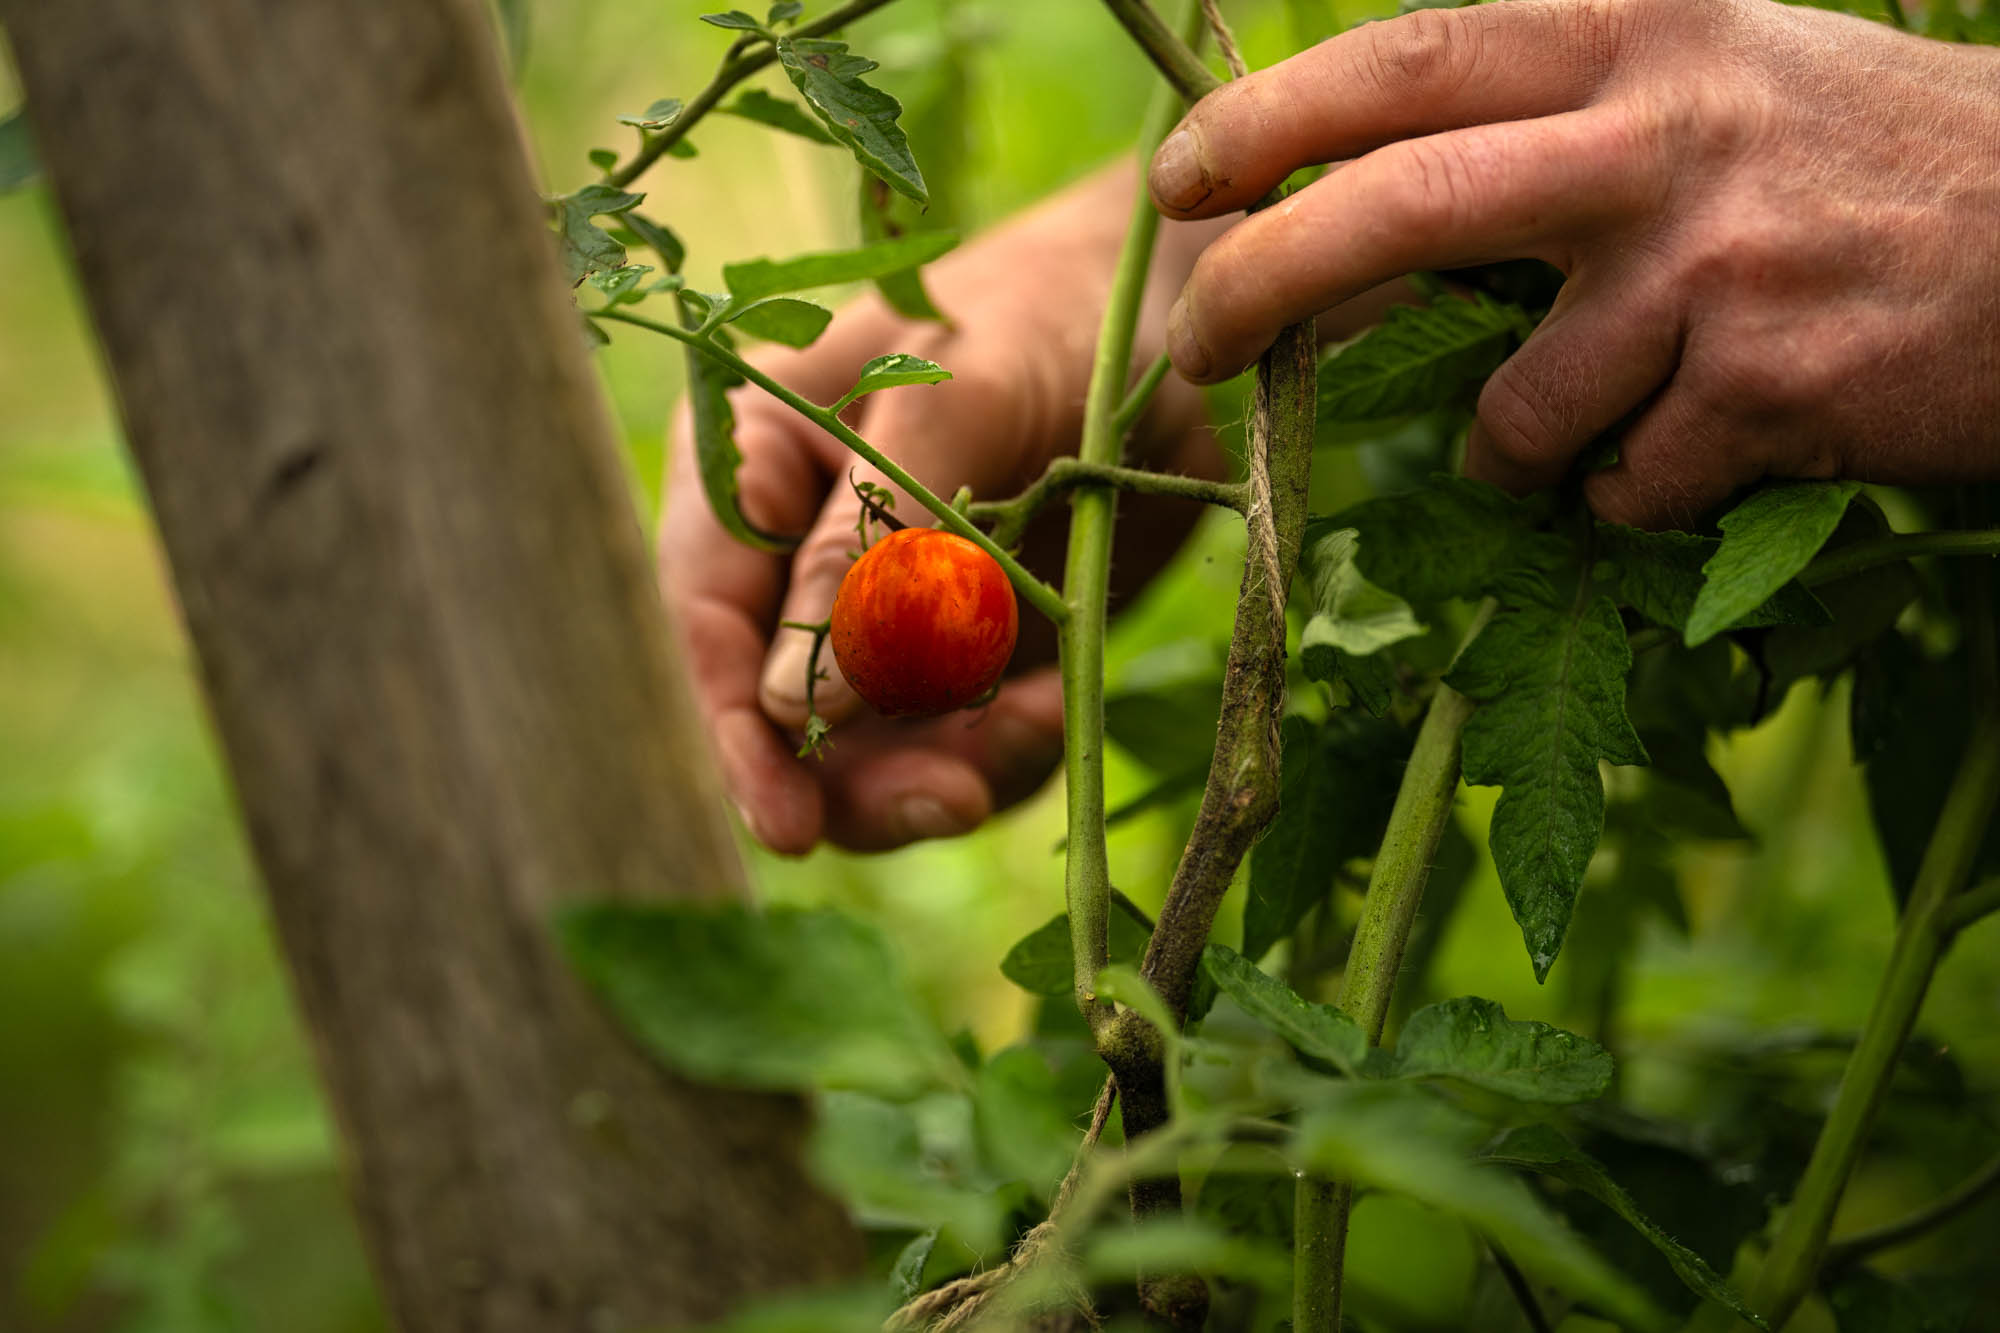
point(924, 623)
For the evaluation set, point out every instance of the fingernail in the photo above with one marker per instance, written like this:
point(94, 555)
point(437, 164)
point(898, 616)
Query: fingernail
point(1189, 356)
point(1178, 178)
point(926, 817)
point(784, 683)
point(749, 821)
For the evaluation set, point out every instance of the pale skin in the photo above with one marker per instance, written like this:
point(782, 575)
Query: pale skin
point(1780, 229)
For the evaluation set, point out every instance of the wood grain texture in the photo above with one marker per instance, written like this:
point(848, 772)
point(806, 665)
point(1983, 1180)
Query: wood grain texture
point(426, 625)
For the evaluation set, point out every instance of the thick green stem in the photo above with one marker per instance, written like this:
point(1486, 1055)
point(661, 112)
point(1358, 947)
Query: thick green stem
point(1395, 891)
point(1086, 587)
point(1802, 1236)
point(739, 66)
point(1035, 592)
point(1896, 546)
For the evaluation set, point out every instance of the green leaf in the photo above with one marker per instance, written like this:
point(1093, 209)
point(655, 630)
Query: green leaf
point(1455, 538)
point(585, 247)
point(784, 12)
point(757, 278)
point(1401, 1140)
point(621, 284)
point(603, 158)
point(1352, 620)
point(1540, 1148)
point(1765, 541)
point(1473, 1041)
point(1659, 575)
point(1185, 1245)
point(1551, 687)
point(1039, 962)
point(782, 319)
point(887, 372)
point(1121, 983)
point(857, 113)
point(659, 240)
point(18, 163)
point(1337, 785)
point(1164, 713)
point(658, 116)
point(1317, 1030)
point(906, 1276)
point(786, 999)
point(1418, 358)
point(715, 451)
point(734, 18)
point(1023, 1127)
point(904, 290)
point(894, 1167)
point(516, 24)
point(777, 112)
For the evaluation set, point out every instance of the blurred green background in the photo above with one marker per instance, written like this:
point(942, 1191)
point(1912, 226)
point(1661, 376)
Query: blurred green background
point(165, 1163)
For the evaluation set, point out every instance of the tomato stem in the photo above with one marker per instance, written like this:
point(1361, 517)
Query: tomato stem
point(1036, 593)
point(1009, 518)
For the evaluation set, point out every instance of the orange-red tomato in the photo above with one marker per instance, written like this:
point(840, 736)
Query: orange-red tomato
point(924, 622)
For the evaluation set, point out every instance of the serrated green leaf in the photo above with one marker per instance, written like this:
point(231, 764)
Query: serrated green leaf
point(887, 372)
point(778, 113)
point(1550, 682)
point(1418, 358)
point(715, 452)
point(856, 112)
point(621, 284)
point(1317, 1030)
point(1352, 620)
point(585, 247)
point(603, 158)
point(1766, 540)
point(784, 11)
point(1659, 575)
point(1455, 538)
point(1542, 1149)
point(782, 319)
point(1337, 784)
point(1473, 1041)
point(734, 19)
point(1040, 963)
point(754, 279)
point(658, 116)
point(906, 1276)
point(1400, 1140)
point(787, 1000)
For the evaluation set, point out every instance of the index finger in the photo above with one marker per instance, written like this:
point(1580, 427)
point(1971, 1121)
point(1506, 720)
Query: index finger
point(1428, 71)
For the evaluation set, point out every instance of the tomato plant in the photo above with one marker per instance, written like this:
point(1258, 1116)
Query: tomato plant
point(924, 623)
point(1398, 631)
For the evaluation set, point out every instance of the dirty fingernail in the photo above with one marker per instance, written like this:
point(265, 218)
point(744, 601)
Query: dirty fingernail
point(1178, 179)
point(1189, 356)
point(926, 817)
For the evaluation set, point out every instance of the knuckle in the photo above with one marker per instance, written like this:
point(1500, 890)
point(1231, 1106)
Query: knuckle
point(1522, 416)
point(1428, 47)
point(1433, 191)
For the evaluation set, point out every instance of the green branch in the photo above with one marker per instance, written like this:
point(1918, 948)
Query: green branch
point(1173, 56)
point(737, 66)
point(1035, 592)
point(1087, 584)
point(1009, 518)
point(1395, 891)
point(1974, 1190)
point(1136, 401)
point(1920, 935)
point(1977, 902)
point(1896, 546)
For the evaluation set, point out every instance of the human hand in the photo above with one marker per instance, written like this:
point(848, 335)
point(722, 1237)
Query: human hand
point(1777, 224)
point(1027, 298)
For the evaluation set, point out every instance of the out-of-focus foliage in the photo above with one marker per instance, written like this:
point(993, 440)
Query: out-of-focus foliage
point(166, 1166)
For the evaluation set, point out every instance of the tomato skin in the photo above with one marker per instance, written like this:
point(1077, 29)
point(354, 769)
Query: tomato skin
point(924, 623)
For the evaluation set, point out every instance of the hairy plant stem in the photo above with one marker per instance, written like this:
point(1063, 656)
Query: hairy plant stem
point(1009, 518)
point(1926, 924)
point(737, 66)
point(1893, 547)
point(1395, 890)
point(1173, 56)
point(1035, 592)
point(1086, 587)
point(1135, 402)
